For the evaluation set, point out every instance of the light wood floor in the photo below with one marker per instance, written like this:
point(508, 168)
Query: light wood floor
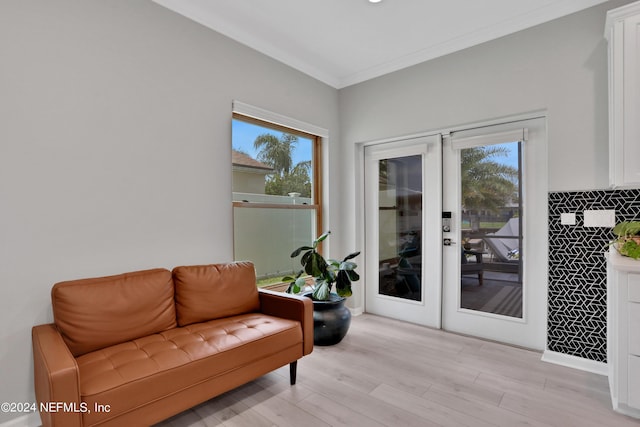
point(390, 373)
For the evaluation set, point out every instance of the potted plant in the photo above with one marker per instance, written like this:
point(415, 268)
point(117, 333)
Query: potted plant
point(331, 318)
point(627, 240)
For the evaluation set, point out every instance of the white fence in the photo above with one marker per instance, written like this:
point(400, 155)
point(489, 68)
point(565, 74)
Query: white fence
point(267, 236)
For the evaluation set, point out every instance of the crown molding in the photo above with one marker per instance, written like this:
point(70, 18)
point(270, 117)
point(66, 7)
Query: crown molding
point(522, 22)
point(204, 16)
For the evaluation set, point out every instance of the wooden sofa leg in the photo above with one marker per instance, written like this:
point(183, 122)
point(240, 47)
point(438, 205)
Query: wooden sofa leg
point(293, 368)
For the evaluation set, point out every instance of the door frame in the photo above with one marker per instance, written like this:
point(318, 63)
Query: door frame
point(530, 330)
point(427, 311)
point(358, 306)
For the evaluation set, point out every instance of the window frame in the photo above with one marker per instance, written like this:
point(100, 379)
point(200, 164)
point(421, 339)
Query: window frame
point(316, 167)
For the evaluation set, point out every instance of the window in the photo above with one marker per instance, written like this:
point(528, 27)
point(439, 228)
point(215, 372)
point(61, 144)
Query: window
point(276, 194)
point(491, 224)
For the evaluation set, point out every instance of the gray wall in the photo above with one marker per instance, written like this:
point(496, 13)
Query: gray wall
point(559, 67)
point(115, 136)
point(115, 153)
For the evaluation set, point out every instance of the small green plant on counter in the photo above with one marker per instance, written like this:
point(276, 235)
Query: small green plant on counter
point(627, 241)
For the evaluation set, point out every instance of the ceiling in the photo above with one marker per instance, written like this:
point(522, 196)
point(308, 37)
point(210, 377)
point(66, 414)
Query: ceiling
point(344, 42)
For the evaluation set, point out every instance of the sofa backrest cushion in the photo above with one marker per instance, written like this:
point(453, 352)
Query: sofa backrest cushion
point(99, 312)
point(206, 292)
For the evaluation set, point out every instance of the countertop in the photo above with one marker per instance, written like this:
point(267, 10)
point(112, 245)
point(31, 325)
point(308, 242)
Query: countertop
point(623, 263)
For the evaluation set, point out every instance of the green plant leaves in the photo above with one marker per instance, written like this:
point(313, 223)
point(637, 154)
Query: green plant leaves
point(299, 250)
point(351, 256)
point(626, 245)
point(627, 228)
point(313, 263)
point(348, 265)
point(325, 272)
point(295, 284)
point(320, 239)
point(630, 248)
point(321, 291)
point(352, 275)
point(343, 283)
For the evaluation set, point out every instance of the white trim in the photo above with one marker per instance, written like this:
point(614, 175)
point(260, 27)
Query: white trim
point(530, 332)
point(476, 138)
point(357, 311)
point(575, 362)
point(536, 17)
point(619, 14)
point(29, 420)
point(328, 75)
point(271, 117)
point(447, 131)
point(205, 16)
point(427, 310)
point(625, 409)
point(360, 238)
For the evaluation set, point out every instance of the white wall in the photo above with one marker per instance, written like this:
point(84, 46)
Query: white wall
point(248, 182)
point(558, 67)
point(115, 152)
point(115, 127)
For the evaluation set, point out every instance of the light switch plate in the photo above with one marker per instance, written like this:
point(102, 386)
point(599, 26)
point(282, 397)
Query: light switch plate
point(568, 218)
point(600, 218)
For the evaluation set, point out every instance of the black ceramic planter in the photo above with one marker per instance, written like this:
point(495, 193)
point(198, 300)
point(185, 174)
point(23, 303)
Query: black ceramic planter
point(331, 320)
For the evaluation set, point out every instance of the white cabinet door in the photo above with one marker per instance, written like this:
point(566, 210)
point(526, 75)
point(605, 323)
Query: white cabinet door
point(623, 333)
point(634, 328)
point(631, 136)
point(623, 33)
point(634, 381)
point(634, 287)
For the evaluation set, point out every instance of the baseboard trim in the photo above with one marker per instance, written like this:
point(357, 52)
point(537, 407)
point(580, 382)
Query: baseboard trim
point(356, 311)
point(29, 420)
point(575, 362)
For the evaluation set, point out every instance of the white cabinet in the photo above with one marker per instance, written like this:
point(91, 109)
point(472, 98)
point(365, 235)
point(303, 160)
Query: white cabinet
point(622, 30)
point(634, 382)
point(623, 332)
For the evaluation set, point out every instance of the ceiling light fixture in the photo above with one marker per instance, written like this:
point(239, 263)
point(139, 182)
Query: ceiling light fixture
point(375, 1)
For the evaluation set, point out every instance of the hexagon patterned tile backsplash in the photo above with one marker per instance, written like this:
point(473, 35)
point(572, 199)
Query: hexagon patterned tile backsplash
point(577, 297)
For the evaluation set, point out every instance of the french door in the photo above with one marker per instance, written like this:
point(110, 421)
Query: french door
point(494, 272)
point(455, 230)
point(402, 198)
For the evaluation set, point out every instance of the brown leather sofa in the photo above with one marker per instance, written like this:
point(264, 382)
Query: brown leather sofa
point(134, 349)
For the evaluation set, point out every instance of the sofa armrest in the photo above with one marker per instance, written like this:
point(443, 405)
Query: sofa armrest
point(56, 378)
point(292, 307)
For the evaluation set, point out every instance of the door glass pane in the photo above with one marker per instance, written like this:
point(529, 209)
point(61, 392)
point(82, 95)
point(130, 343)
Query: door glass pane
point(491, 252)
point(400, 223)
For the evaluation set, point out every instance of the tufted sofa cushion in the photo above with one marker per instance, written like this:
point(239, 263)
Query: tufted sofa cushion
point(205, 292)
point(133, 373)
point(99, 312)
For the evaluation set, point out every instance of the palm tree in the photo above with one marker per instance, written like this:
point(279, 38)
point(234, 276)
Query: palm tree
point(487, 184)
point(277, 153)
